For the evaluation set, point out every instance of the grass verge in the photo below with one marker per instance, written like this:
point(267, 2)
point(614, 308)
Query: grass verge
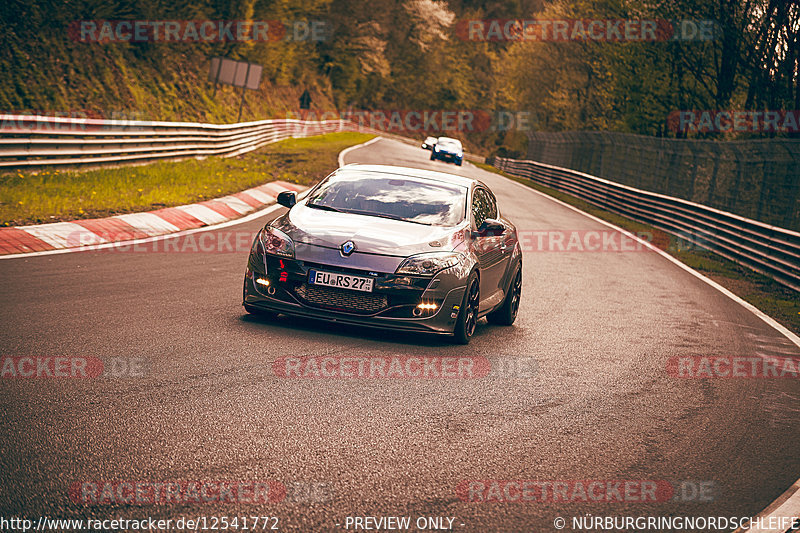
point(34, 197)
point(777, 301)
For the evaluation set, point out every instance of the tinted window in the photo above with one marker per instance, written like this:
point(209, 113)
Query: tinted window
point(389, 196)
point(483, 206)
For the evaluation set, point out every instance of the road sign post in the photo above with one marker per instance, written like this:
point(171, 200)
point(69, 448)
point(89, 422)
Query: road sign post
point(237, 73)
point(305, 100)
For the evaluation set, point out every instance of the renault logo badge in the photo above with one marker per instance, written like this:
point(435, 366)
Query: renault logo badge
point(347, 248)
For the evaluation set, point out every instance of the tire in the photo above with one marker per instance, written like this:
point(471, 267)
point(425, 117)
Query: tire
point(468, 314)
point(433, 157)
point(458, 163)
point(507, 312)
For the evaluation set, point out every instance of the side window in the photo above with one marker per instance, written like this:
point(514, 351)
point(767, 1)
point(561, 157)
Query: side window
point(492, 205)
point(482, 207)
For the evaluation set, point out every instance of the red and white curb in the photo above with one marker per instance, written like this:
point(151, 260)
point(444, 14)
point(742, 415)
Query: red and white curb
point(119, 228)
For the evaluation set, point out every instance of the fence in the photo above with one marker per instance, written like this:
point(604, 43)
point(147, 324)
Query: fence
point(771, 250)
point(758, 179)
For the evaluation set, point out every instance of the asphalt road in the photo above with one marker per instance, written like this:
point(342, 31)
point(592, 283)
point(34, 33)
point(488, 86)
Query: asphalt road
point(600, 326)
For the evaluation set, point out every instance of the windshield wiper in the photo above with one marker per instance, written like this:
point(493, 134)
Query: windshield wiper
point(381, 215)
point(323, 207)
point(365, 213)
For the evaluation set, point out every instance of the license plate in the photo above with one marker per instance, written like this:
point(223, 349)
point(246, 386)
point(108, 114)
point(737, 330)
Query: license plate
point(340, 281)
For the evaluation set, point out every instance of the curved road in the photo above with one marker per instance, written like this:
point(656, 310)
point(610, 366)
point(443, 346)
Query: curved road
point(600, 326)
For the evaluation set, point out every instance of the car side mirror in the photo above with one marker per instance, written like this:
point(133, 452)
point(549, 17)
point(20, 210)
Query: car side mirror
point(491, 227)
point(287, 199)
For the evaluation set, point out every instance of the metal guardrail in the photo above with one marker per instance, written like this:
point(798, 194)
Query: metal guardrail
point(770, 250)
point(33, 141)
point(754, 178)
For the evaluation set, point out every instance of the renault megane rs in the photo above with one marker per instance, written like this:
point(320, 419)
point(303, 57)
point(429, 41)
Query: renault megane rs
point(389, 247)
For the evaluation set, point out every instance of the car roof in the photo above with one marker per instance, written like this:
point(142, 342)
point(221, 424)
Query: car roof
point(449, 139)
point(412, 172)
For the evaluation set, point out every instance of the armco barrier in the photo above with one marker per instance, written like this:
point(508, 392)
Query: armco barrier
point(32, 141)
point(770, 250)
point(754, 178)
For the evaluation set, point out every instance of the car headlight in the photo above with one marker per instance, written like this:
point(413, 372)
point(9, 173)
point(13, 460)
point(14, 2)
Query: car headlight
point(428, 264)
point(436, 147)
point(277, 242)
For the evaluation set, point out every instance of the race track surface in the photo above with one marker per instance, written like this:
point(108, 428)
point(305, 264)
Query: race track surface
point(600, 328)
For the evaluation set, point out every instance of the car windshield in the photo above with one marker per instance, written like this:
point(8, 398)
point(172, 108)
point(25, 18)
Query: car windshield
point(448, 142)
point(404, 198)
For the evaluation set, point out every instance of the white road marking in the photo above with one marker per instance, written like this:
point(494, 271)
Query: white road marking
point(750, 307)
point(362, 145)
point(787, 506)
point(790, 506)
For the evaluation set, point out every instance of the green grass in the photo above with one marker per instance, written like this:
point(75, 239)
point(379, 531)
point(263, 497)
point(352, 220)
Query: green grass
point(777, 301)
point(48, 195)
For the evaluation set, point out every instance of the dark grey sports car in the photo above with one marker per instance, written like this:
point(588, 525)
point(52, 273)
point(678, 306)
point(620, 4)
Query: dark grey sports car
point(389, 247)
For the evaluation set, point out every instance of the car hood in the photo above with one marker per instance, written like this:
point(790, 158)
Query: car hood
point(372, 235)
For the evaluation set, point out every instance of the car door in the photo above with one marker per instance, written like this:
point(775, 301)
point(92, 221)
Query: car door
point(488, 247)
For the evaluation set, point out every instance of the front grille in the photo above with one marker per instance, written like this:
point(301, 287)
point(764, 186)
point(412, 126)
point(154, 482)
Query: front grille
point(341, 299)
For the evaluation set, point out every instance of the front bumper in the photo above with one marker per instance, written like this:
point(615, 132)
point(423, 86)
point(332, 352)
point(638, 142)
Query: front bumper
point(447, 156)
point(391, 305)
